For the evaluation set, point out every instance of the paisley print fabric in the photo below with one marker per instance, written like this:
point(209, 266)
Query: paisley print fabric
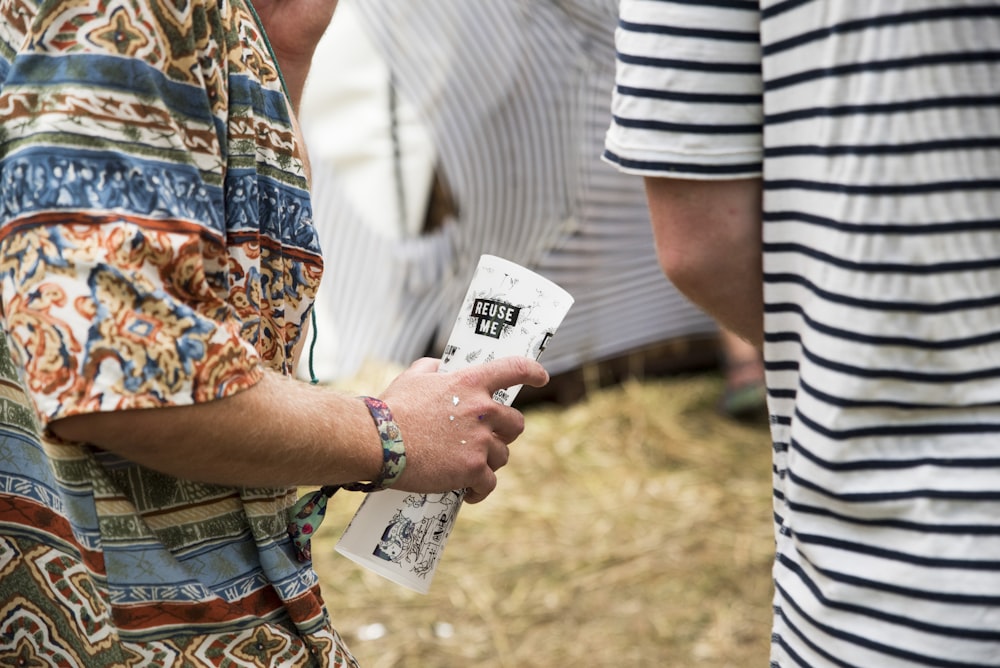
point(156, 249)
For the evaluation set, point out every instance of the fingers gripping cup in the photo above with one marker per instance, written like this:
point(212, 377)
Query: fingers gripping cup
point(508, 311)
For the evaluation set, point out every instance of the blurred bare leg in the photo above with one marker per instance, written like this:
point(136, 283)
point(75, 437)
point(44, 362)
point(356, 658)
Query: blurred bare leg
point(745, 395)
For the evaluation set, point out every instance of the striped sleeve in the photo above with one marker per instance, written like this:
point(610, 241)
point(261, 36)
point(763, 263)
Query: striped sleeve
point(687, 97)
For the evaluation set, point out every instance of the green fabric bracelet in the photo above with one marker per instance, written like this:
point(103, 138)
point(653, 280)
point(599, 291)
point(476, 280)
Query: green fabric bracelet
point(393, 451)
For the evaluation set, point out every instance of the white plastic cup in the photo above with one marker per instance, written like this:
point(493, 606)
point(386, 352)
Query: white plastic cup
point(508, 311)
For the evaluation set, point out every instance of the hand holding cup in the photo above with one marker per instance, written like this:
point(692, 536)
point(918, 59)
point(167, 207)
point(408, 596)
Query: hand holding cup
point(456, 434)
point(457, 421)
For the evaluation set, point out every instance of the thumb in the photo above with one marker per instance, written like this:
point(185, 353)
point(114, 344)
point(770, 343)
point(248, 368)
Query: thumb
point(425, 365)
point(510, 371)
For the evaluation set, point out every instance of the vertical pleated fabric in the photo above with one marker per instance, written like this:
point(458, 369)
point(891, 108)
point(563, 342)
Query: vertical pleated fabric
point(516, 96)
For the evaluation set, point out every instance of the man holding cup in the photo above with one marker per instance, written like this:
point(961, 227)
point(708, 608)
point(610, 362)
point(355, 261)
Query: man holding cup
point(157, 266)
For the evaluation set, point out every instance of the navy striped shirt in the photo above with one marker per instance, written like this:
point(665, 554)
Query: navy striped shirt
point(876, 128)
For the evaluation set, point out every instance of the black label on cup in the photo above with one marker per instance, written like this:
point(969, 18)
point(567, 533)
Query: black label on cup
point(493, 317)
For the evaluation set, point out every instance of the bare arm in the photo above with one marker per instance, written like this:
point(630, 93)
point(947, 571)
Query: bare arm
point(708, 241)
point(287, 432)
point(294, 28)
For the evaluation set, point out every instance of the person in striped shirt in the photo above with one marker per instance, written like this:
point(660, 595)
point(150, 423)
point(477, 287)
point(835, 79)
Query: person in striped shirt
point(824, 178)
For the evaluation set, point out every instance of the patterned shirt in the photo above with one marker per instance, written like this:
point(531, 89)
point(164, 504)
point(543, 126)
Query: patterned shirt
point(156, 249)
point(875, 127)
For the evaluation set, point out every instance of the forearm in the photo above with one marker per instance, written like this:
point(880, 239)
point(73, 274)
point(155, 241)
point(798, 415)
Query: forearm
point(708, 241)
point(281, 432)
point(285, 432)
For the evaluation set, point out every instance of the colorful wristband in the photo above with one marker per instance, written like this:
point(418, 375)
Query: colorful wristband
point(393, 451)
point(308, 512)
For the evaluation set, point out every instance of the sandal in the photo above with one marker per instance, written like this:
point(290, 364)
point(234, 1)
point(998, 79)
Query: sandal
point(744, 402)
point(746, 398)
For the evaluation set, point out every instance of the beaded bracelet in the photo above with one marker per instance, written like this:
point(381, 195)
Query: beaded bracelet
point(393, 451)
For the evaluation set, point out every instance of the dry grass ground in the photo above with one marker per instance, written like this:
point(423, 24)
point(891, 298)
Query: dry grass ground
point(632, 528)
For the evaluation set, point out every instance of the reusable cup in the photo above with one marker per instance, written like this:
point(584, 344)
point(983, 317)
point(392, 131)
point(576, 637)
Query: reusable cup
point(508, 311)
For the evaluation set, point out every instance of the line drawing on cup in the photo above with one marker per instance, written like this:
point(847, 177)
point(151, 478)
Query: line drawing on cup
point(416, 535)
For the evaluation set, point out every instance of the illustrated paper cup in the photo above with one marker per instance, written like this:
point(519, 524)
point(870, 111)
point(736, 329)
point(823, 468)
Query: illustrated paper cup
point(508, 311)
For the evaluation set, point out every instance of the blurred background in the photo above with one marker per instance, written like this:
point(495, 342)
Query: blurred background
point(445, 129)
point(631, 528)
point(633, 524)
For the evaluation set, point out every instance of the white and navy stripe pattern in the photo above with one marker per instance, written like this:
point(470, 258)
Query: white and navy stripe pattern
point(687, 88)
point(517, 97)
point(877, 132)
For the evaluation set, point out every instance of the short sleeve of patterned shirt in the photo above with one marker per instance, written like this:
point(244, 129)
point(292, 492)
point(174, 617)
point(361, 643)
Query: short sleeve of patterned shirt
point(156, 246)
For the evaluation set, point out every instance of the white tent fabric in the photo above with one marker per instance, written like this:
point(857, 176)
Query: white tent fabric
point(515, 96)
point(347, 116)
